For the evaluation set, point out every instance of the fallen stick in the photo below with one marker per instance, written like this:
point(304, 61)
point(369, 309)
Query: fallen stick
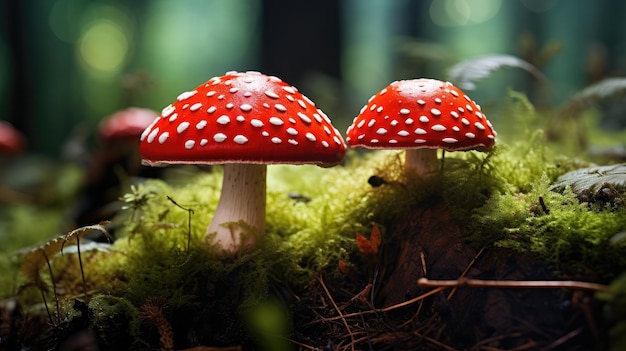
point(515, 284)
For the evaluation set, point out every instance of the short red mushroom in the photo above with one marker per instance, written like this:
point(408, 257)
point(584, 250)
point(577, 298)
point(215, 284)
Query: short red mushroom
point(127, 123)
point(243, 121)
point(11, 141)
point(421, 116)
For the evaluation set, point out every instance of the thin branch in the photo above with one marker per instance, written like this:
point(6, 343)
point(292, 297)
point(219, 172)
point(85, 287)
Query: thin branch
point(515, 284)
point(332, 301)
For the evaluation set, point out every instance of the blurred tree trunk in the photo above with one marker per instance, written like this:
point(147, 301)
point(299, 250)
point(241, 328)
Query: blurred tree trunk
point(301, 37)
point(19, 100)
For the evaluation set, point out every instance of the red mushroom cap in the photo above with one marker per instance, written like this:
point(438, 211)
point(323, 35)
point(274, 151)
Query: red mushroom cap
point(11, 141)
point(421, 113)
point(242, 118)
point(127, 123)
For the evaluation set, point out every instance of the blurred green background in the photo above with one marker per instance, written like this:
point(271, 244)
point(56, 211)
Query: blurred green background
point(67, 64)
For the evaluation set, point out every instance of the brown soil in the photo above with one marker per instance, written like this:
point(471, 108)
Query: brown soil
point(393, 313)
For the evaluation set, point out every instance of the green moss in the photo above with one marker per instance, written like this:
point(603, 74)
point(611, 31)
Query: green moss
point(575, 236)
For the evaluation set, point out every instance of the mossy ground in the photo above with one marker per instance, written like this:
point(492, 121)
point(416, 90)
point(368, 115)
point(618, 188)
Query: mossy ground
point(491, 212)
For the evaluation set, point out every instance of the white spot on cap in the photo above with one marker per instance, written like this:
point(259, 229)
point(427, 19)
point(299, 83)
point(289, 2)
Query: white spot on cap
point(276, 121)
point(317, 118)
point(454, 114)
point(361, 123)
point(167, 111)
point(453, 92)
point(374, 141)
point(195, 107)
point(470, 135)
point(310, 136)
point(302, 104)
point(223, 119)
point(230, 105)
point(449, 140)
point(381, 131)
point(438, 128)
point(479, 125)
point(211, 93)
point(292, 131)
point(163, 137)
point(280, 107)
point(456, 129)
point(420, 141)
point(189, 144)
point(379, 109)
point(276, 140)
point(424, 119)
point(373, 107)
point(408, 121)
point(337, 140)
point(469, 108)
point(256, 123)
point(327, 130)
point(304, 118)
point(403, 133)
point(290, 90)
point(371, 122)
point(240, 139)
point(420, 131)
point(421, 102)
point(203, 142)
point(173, 117)
point(461, 109)
point(465, 121)
point(292, 142)
point(265, 133)
point(211, 109)
point(186, 95)
point(219, 137)
point(245, 107)
point(435, 112)
point(182, 127)
point(405, 111)
point(438, 100)
point(292, 121)
point(234, 90)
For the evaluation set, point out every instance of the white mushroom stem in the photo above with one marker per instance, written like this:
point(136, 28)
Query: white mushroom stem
point(242, 200)
point(421, 162)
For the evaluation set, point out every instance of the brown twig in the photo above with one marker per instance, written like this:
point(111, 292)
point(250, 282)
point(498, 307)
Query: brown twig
point(515, 284)
point(341, 316)
point(469, 266)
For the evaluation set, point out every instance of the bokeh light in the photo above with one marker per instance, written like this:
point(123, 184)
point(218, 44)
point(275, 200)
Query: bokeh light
point(103, 46)
point(452, 13)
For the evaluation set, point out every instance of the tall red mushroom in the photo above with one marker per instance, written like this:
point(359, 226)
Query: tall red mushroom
point(243, 121)
point(421, 116)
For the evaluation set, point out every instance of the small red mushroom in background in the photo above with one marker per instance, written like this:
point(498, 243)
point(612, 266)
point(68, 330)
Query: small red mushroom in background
point(128, 123)
point(421, 116)
point(243, 121)
point(12, 142)
point(115, 160)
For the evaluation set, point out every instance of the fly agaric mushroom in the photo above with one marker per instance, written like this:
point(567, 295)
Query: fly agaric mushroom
point(128, 123)
point(11, 141)
point(421, 116)
point(243, 121)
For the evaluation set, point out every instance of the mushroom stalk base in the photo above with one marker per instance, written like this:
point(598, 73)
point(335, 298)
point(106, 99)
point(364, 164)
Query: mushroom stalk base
point(421, 162)
point(240, 215)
